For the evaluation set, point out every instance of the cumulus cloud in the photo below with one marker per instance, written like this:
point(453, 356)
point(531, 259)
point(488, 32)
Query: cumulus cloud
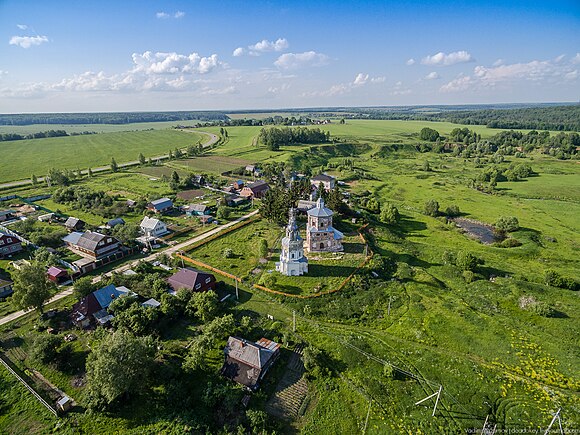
point(173, 63)
point(166, 15)
point(27, 41)
point(432, 76)
point(400, 89)
point(360, 79)
point(22, 26)
point(263, 46)
point(443, 59)
point(301, 60)
point(535, 71)
point(410, 62)
point(576, 59)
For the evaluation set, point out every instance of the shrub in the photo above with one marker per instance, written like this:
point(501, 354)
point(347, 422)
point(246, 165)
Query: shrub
point(431, 208)
point(452, 211)
point(467, 261)
point(507, 224)
point(228, 253)
point(509, 243)
point(389, 214)
point(468, 276)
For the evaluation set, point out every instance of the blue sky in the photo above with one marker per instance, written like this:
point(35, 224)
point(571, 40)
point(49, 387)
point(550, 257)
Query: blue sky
point(192, 55)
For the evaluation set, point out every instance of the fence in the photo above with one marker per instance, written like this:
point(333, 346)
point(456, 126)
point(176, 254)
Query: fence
point(28, 387)
point(207, 266)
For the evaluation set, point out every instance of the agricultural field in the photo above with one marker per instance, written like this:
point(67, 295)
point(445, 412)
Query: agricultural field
point(37, 156)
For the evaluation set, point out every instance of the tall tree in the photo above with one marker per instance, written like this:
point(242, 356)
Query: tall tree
point(31, 287)
point(141, 159)
point(114, 166)
point(120, 365)
point(34, 180)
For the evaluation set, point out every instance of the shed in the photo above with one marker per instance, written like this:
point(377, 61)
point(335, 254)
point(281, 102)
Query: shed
point(64, 403)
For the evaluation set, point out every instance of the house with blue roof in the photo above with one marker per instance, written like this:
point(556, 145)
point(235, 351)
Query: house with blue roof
point(92, 309)
point(161, 205)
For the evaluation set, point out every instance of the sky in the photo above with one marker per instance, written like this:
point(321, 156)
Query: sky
point(146, 55)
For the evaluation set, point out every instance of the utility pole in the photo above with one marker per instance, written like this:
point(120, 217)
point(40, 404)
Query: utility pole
point(237, 294)
point(367, 419)
point(438, 394)
point(389, 310)
point(556, 417)
point(294, 320)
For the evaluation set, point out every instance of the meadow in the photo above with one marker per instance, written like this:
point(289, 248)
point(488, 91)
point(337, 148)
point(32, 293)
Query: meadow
point(23, 158)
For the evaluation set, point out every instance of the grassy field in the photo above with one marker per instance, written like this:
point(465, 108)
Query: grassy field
point(98, 128)
point(37, 156)
point(216, 164)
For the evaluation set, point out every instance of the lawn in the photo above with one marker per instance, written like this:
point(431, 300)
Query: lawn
point(37, 156)
point(244, 244)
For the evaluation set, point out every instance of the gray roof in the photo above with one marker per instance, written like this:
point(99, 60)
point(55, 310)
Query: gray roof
point(72, 238)
point(249, 353)
point(115, 222)
point(162, 203)
point(6, 212)
point(320, 210)
point(72, 222)
point(90, 240)
point(198, 207)
point(149, 223)
point(304, 204)
point(323, 177)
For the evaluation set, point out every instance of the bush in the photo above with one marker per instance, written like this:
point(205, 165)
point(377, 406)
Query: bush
point(554, 279)
point(467, 261)
point(509, 243)
point(452, 211)
point(431, 208)
point(228, 253)
point(507, 224)
point(389, 214)
point(468, 276)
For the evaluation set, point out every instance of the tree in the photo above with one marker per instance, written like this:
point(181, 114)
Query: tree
point(141, 159)
point(223, 212)
point(114, 166)
point(268, 280)
point(432, 208)
point(170, 155)
point(334, 200)
point(83, 287)
point(204, 305)
point(126, 233)
point(467, 261)
point(132, 316)
point(426, 166)
point(118, 366)
point(507, 224)
point(389, 214)
point(228, 253)
point(429, 134)
point(34, 180)
point(44, 348)
point(31, 287)
point(89, 172)
point(452, 211)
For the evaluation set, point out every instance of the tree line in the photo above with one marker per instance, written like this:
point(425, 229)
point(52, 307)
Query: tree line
point(274, 138)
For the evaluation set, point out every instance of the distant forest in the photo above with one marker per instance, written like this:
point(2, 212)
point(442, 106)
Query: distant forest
point(506, 116)
point(108, 118)
point(559, 118)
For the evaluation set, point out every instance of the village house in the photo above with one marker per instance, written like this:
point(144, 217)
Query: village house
point(257, 189)
point(92, 309)
point(9, 245)
point(321, 236)
point(7, 215)
point(193, 280)
point(57, 275)
point(5, 288)
point(114, 222)
point(161, 205)
point(197, 210)
point(153, 228)
point(247, 363)
point(305, 205)
point(74, 224)
point(234, 200)
point(92, 244)
point(238, 184)
point(327, 181)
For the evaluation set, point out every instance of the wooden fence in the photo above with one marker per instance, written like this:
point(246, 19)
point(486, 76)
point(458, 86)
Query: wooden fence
point(207, 266)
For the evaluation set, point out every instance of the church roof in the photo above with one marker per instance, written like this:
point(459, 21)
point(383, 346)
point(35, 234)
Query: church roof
point(320, 210)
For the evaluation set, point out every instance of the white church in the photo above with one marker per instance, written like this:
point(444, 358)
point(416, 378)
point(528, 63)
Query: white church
point(292, 260)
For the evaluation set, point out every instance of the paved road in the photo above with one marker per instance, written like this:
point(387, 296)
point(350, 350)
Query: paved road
point(212, 139)
point(169, 251)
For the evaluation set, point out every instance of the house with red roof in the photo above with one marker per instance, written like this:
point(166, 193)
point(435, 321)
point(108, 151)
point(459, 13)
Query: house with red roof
point(193, 280)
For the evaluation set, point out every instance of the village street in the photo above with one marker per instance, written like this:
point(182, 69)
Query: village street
point(169, 251)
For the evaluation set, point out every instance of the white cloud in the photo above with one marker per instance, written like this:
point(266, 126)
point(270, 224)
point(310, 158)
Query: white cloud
point(301, 60)
point(380, 79)
point(432, 76)
point(536, 71)
point(459, 84)
point(560, 58)
point(27, 41)
point(22, 26)
point(223, 91)
point(264, 45)
point(498, 62)
point(166, 15)
point(173, 63)
point(442, 59)
point(576, 59)
point(360, 79)
point(410, 62)
point(400, 89)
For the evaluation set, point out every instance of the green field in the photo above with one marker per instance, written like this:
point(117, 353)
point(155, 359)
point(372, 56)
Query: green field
point(37, 156)
point(98, 128)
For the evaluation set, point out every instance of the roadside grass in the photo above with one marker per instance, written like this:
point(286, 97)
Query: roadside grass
point(37, 156)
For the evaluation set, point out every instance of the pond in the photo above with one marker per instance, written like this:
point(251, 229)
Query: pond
point(485, 233)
